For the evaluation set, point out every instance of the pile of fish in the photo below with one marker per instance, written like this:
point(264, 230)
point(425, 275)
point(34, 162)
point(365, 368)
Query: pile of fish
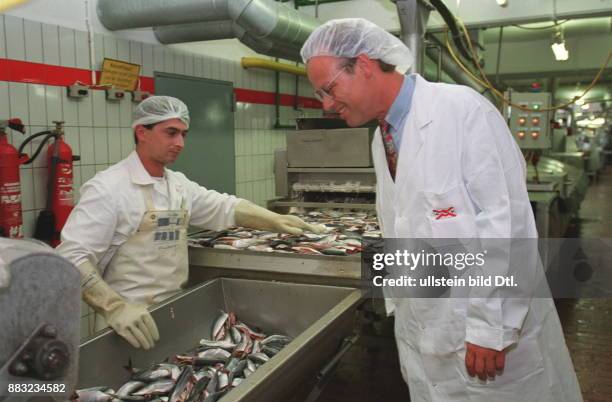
point(218, 364)
point(346, 233)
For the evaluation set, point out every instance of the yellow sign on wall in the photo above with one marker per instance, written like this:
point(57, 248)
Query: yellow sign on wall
point(119, 74)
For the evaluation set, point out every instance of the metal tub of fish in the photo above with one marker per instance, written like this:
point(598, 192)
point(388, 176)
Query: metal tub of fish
point(317, 319)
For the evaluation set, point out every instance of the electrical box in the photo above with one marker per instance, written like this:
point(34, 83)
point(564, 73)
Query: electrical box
point(113, 94)
point(139, 96)
point(530, 128)
point(78, 91)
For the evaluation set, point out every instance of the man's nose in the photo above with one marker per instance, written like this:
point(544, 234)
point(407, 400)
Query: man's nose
point(328, 104)
point(180, 141)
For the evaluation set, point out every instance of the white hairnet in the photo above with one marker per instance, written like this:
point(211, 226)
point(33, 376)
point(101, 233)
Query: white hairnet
point(160, 108)
point(350, 37)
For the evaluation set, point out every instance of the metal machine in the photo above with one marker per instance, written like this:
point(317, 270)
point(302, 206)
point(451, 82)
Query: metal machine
point(326, 165)
point(318, 318)
point(555, 188)
point(40, 313)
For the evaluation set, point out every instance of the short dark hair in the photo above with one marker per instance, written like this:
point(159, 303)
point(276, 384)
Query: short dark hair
point(349, 64)
point(148, 127)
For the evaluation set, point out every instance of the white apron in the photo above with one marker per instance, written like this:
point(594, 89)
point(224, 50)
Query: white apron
point(152, 264)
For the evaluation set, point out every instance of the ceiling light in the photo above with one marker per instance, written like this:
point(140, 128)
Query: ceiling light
point(502, 3)
point(558, 47)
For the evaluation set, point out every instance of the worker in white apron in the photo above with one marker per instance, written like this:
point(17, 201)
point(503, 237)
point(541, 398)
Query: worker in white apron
point(128, 233)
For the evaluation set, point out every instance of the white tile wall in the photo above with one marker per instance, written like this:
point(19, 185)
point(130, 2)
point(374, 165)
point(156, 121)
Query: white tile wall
point(99, 131)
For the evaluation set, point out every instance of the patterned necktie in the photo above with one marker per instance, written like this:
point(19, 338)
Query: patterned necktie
point(390, 150)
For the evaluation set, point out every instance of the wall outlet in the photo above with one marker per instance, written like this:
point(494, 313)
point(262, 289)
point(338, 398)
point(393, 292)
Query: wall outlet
point(139, 96)
point(113, 94)
point(78, 91)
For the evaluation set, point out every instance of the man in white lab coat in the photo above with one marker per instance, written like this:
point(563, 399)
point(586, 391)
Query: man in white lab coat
point(127, 234)
point(446, 167)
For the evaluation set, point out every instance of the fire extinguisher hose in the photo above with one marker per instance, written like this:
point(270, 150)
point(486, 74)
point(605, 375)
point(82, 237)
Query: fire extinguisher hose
point(49, 135)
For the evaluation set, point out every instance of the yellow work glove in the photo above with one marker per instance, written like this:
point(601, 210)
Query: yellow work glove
point(131, 321)
point(250, 215)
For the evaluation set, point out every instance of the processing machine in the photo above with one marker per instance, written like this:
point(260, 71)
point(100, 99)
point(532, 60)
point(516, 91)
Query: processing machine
point(556, 188)
point(40, 310)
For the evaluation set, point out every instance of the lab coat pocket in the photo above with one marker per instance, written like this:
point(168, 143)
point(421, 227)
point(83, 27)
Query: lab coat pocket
point(439, 345)
point(451, 217)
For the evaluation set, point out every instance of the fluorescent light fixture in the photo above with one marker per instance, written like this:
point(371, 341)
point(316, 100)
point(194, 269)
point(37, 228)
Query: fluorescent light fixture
point(558, 47)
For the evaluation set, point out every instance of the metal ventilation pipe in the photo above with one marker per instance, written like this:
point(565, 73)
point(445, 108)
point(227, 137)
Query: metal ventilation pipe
point(267, 27)
point(413, 16)
point(126, 14)
point(195, 31)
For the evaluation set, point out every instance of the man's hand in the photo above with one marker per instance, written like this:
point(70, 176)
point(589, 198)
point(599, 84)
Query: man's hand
point(294, 225)
point(250, 215)
point(483, 361)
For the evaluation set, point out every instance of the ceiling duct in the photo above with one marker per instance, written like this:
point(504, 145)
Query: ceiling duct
point(263, 25)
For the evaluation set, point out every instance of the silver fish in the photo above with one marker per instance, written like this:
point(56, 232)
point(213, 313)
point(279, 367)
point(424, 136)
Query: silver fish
point(156, 388)
point(219, 330)
point(223, 380)
point(236, 382)
point(223, 344)
point(183, 387)
point(250, 365)
point(276, 339)
point(235, 334)
point(129, 388)
point(215, 355)
point(259, 357)
point(96, 394)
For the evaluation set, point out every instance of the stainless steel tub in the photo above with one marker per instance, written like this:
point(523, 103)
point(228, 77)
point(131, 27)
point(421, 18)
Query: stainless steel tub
point(318, 317)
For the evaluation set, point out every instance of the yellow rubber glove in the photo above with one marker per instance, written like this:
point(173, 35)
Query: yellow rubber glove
point(131, 321)
point(250, 215)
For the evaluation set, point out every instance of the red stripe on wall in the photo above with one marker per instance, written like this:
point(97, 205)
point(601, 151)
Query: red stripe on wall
point(47, 74)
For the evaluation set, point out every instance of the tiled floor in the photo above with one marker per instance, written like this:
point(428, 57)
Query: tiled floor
point(370, 371)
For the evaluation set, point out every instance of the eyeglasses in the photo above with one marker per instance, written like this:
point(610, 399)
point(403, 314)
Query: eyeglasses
point(323, 92)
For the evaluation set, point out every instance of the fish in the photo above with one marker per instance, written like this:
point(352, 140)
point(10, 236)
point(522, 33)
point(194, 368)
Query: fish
point(156, 388)
point(223, 344)
point(198, 390)
point(212, 356)
point(95, 394)
point(282, 339)
point(153, 374)
point(129, 388)
point(235, 334)
point(218, 331)
point(259, 357)
point(184, 385)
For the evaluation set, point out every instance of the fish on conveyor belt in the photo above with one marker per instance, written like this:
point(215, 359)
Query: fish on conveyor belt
point(346, 234)
point(232, 351)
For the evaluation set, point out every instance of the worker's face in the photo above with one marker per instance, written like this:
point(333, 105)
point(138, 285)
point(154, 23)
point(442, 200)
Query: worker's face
point(164, 142)
point(343, 91)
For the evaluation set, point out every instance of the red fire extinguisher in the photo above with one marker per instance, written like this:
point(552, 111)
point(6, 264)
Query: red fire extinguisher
point(11, 221)
point(60, 200)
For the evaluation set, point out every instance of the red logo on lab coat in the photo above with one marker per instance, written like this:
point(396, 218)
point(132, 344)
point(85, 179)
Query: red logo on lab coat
point(444, 213)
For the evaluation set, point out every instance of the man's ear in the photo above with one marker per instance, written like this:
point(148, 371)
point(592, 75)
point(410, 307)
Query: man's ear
point(139, 132)
point(365, 64)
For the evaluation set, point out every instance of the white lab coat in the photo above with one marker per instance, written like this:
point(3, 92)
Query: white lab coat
point(457, 151)
point(111, 209)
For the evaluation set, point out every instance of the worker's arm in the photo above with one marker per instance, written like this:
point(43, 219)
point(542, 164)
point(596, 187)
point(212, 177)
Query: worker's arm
point(89, 230)
point(132, 321)
point(250, 215)
point(86, 237)
point(216, 211)
point(493, 166)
